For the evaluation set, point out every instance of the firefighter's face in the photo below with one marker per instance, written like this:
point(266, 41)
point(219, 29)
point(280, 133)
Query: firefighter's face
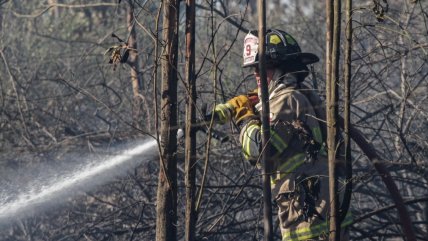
point(269, 75)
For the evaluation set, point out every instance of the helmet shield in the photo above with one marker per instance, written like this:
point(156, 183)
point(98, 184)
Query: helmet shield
point(251, 48)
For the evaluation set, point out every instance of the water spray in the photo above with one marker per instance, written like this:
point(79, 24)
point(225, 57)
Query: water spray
point(99, 170)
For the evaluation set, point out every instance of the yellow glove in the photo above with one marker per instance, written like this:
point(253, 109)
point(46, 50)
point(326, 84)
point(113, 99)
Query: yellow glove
point(238, 108)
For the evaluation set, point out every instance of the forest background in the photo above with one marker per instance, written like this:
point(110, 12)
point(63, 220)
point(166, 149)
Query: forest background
point(60, 98)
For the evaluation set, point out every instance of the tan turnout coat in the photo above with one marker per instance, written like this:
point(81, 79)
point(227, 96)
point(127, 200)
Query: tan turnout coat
point(302, 215)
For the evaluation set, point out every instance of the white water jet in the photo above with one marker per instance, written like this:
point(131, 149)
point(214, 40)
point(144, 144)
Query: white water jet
point(59, 186)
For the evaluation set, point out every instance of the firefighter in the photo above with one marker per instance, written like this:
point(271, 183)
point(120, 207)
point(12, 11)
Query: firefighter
point(300, 179)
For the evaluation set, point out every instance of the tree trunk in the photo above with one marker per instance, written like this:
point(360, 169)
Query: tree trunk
point(267, 199)
point(332, 113)
point(166, 208)
point(347, 112)
point(190, 135)
point(136, 78)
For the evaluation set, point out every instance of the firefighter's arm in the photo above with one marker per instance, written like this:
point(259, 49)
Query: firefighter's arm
point(251, 141)
point(241, 110)
point(238, 108)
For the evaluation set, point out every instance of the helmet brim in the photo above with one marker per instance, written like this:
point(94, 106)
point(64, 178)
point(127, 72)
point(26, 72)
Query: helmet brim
point(253, 64)
point(308, 58)
point(305, 58)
